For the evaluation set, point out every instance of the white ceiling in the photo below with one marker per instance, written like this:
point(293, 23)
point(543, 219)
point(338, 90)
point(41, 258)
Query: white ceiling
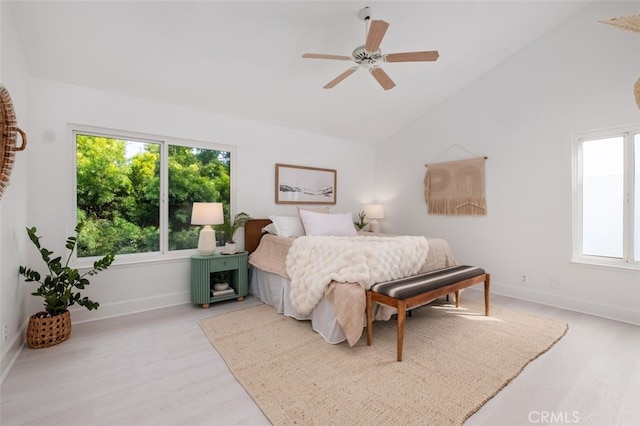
point(244, 58)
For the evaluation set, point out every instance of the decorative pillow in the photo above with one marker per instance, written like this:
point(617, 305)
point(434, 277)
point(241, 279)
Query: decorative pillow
point(270, 229)
point(287, 226)
point(338, 224)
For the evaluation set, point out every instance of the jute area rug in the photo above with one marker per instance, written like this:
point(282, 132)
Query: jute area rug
point(454, 361)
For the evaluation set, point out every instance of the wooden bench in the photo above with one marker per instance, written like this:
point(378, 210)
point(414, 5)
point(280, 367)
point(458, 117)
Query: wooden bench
point(409, 292)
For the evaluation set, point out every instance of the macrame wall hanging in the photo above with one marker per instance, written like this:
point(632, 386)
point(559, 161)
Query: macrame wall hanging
point(456, 188)
point(629, 23)
point(9, 132)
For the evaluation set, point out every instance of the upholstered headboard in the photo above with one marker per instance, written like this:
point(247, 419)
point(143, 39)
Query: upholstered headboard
point(253, 233)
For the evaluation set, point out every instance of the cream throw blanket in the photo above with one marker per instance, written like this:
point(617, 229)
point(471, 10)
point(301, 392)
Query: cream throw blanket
point(314, 261)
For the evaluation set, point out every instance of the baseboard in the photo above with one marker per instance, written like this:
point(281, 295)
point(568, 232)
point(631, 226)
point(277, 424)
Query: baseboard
point(11, 351)
point(133, 306)
point(576, 305)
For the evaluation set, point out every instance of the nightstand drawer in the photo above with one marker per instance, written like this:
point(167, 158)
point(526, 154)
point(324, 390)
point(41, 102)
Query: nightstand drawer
point(224, 264)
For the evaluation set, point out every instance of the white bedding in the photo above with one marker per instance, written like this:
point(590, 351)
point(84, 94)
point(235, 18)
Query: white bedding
point(270, 283)
point(314, 261)
point(273, 290)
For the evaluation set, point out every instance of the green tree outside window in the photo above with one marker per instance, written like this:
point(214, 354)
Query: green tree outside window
point(119, 192)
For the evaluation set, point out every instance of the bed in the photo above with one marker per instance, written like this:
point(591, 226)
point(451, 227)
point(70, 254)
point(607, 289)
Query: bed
point(339, 314)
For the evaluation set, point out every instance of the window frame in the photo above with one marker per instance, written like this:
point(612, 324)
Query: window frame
point(627, 260)
point(163, 254)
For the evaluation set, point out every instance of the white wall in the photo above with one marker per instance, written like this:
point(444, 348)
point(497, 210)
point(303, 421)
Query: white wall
point(125, 289)
point(13, 205)
point(522, 115)
point(49, 194)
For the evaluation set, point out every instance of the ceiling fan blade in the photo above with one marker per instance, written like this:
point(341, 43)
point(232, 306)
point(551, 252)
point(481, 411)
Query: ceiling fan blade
point(431, 55)
point(339, 78)
point(376, 33)
point(383, 78)
point(323, 56)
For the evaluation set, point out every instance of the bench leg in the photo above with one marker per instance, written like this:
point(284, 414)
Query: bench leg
point(457, 292)
point(369, 319)
point(402, 310)
point(487, 284)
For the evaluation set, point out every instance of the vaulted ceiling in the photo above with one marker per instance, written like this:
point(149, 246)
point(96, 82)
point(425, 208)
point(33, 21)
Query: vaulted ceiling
point(243, 58)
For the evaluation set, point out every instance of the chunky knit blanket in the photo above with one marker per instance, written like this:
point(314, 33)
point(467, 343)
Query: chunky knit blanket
point(314, 261)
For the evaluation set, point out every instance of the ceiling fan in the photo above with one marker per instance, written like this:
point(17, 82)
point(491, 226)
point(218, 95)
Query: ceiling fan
point(369, 56)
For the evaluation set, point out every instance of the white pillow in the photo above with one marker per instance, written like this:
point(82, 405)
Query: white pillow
point(287, 226)
point(270, 229)
point(339, 224)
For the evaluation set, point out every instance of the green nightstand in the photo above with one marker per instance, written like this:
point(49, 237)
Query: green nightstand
point(203, 266)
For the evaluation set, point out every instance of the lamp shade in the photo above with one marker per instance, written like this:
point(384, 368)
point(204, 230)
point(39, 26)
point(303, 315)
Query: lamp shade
point(374, 211)
point(207, 214)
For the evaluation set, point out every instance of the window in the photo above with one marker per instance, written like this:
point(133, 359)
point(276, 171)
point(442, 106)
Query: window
point(134, 194)
point(606, 197)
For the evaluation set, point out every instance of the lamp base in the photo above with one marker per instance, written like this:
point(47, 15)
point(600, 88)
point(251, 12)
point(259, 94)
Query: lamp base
point(374, 226)
point(207, 241)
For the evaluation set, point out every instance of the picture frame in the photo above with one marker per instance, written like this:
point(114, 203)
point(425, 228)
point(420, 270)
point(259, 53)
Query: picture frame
point(305, 185)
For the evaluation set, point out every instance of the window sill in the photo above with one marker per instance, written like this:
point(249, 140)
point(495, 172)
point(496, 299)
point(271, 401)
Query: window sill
point(140, 259)
point(606, 265)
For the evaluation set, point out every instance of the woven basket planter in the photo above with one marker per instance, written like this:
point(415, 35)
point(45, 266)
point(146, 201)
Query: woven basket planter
point(636, 90)
point(44, 331)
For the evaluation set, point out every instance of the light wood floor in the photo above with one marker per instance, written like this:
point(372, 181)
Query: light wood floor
point(157, 368)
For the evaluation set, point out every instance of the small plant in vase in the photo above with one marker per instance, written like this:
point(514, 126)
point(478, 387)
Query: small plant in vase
point(59, 291)
point(220, 281)
point(361, 223)
point(229, 229)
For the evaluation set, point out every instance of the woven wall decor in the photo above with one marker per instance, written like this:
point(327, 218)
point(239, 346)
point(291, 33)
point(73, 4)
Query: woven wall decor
point(9, 132)
point(629, 23)
point(456, 188)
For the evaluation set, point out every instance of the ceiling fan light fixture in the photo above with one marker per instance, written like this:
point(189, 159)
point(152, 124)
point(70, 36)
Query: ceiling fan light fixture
point(360, 55)
point(369, 56)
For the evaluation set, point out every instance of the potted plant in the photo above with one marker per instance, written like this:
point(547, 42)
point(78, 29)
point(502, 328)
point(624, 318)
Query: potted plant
point(360, 224)
point(220, 281)
point(229, 229)
point(59, 291)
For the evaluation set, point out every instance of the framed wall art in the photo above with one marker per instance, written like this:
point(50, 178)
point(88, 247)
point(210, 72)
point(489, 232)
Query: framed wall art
point(305, 185)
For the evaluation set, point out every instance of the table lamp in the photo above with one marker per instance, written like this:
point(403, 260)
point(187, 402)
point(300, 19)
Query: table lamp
point(374, 212)
point(207, 214)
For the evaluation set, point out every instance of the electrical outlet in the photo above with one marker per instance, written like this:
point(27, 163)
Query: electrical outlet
point(5, 332)
point(523, 279)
